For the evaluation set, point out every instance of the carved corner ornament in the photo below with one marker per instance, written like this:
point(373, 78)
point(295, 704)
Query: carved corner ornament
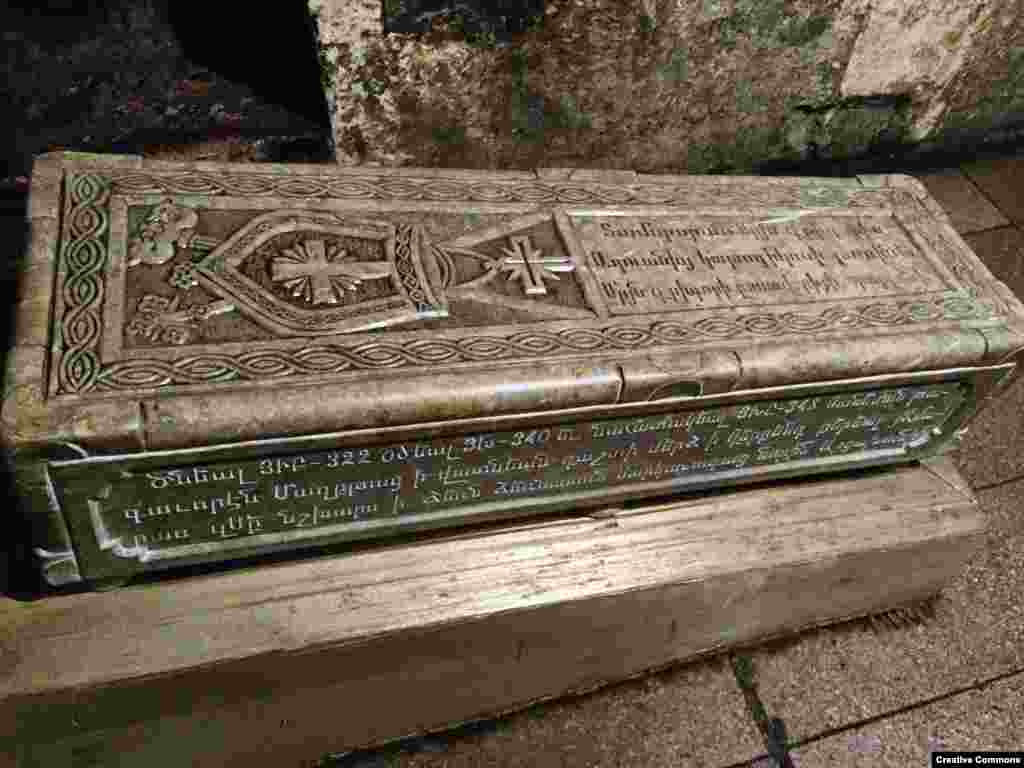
point(158, 318)
point(166, 227)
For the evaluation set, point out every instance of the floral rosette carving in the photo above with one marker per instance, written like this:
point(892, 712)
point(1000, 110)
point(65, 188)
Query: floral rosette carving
point(167, 227)
point(184, 276)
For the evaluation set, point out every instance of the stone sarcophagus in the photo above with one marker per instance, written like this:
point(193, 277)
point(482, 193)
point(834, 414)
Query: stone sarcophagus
point(213, 361)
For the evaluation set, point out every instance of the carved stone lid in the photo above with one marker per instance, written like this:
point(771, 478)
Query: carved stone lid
point(223, 283)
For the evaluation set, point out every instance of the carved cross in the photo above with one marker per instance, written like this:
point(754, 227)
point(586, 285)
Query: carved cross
point(309, 272)
point(531, 267)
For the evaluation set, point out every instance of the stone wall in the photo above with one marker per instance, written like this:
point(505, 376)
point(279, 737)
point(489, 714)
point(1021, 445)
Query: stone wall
point(680, 85)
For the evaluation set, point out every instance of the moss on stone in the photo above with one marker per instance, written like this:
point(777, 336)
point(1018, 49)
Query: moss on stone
point(748, 99)
point(802, 132)
point(375, 87)
point(1002, 102)
point(527, 107)
point(327, 68)
point(799, 32)
point(449, 135)
point(677, 68)
point(568, 116)
point(768, 25)
point(851, 131)
point(750, 147)
point(755, 145)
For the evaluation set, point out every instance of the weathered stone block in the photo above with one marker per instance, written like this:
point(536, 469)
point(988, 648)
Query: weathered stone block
point(243, 360)
point(681, 85)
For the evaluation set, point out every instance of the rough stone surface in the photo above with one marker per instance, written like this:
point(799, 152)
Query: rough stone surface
point(987, 718)
point(658, 85)
point(842, 675)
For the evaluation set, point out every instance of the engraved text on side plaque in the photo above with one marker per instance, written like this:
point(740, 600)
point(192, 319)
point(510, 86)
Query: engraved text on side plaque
point(151, 514)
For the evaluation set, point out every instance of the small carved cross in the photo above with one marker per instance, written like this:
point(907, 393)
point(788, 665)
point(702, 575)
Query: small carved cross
point(308, 271)
point(531, 267)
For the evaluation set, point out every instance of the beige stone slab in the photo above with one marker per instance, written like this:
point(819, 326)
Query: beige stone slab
point(834, 677)
point(690, 717)
point(969, 210)
point(986, 718)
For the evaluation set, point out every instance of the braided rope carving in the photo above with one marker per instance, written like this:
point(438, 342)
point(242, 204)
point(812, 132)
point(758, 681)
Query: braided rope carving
point(336, 358)
point(83, 257)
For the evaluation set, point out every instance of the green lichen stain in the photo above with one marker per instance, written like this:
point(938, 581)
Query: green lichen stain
point(326, 69)
point(823, 197)
point(136, 218)
point(751, 146)
point(799, 32)
point(712, 8)
point(527, 106)
point(677, 67)
point(768, 25)
point(824, 83)
point(802, 132)
point(1003, 100)
point(851, 131)
point(568, 115)
point(647, 23)
point(450, 135)
point(375, 87)
point(748, 99)
point(743, 668)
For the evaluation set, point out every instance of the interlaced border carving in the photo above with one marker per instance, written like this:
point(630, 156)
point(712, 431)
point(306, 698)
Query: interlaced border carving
point(84, 256)
point(724, 192)
point(338, 358)
point(404, 248)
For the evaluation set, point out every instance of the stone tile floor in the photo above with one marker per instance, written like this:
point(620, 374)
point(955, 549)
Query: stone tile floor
point(865, 693)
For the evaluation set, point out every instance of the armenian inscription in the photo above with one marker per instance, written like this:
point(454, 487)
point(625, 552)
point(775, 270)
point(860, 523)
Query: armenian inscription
point(152, 513)
point(653, 264)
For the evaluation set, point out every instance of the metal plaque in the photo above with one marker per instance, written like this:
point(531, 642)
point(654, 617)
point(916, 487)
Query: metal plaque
point(151, 511)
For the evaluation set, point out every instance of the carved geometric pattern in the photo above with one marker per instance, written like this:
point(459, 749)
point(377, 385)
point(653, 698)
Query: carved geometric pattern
point(531, 267)
point(220, 272)
point(336, 358)
point(84, 259)
point(694, 194)
point(320, 272)
point(406, 266)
